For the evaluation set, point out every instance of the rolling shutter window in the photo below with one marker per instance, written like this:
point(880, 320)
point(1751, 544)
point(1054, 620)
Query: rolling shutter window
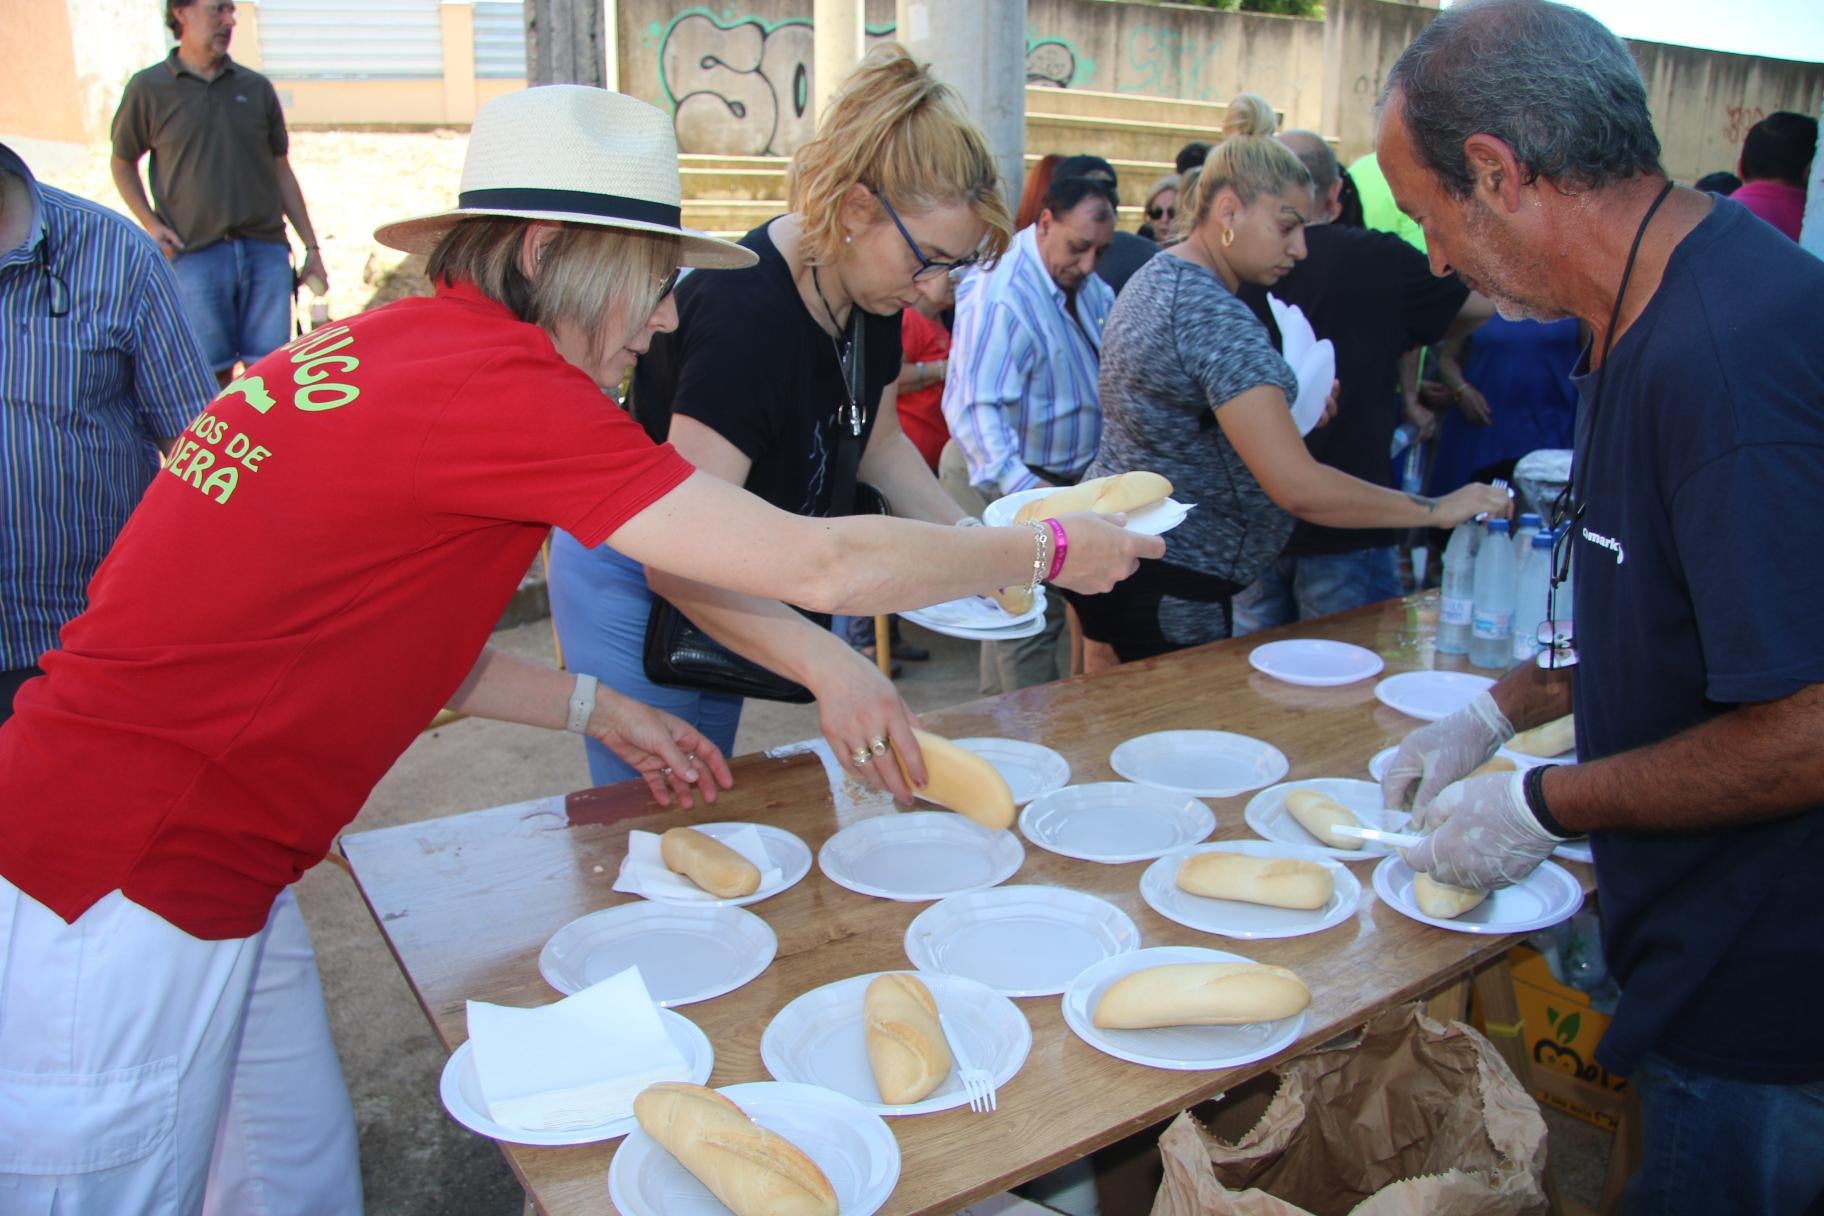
point(371, 39)
point(500, 40)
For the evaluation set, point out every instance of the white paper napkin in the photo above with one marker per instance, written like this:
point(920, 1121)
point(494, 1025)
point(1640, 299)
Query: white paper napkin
point(644, 872)
point(577, 1063)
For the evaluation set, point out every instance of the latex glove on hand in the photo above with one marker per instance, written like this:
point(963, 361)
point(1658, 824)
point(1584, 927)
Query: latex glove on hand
point(1487, 835)
point(1441, 754)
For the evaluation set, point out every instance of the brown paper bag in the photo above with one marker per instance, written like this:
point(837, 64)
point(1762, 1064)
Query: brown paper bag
point(1413, 1117)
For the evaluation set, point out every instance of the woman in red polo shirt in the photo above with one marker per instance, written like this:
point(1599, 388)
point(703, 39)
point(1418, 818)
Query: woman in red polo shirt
point(310, 579)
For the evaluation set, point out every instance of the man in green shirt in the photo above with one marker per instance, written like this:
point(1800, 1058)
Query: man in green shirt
point(222, 187)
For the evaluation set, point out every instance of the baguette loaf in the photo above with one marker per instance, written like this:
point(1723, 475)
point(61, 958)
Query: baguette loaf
point(1495, 764)
point(1553, 739)
point(906, 1046)
point(753, 1171)
point(709, 863)
point(1201, 994)
point(1278, 882)
point(1318, 812)
point(963, 782)
point(1441, 900)
point(1103, 495)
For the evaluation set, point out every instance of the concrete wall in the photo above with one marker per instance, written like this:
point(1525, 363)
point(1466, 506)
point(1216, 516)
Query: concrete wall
point(56, 86)
point(1703, 102)
point(740, 79)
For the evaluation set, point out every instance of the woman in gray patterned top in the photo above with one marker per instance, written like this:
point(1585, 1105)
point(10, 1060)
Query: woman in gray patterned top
point(1192, 388)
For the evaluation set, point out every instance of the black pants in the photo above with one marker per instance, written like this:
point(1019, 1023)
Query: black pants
point(1127, 618)
point(9, 684)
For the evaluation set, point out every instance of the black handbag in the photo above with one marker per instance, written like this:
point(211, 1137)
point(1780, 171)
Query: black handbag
point(680, 655)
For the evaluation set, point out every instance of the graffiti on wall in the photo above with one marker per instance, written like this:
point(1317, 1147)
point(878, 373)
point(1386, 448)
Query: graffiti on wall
point(1167, 62)
point(1737, 120)
point(741, 86)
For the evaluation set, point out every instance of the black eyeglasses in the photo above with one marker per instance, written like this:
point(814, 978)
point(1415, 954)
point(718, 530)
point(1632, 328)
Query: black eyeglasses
point(928, 268)
point(1557, 638)
point(1162, 213)
point(54, 283)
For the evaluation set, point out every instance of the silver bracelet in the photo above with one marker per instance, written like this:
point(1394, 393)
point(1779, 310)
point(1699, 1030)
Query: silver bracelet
point(582, 704)
point(1041, 540)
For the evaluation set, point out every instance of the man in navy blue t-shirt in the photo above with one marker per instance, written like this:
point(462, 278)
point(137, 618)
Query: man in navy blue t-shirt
point(1516, 132)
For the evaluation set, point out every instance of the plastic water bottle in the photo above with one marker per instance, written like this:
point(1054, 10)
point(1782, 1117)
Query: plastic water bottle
point(1409, 457)
point(1529, 596)
point(1457, 613)
point(1491, 639)
point(1524, 531)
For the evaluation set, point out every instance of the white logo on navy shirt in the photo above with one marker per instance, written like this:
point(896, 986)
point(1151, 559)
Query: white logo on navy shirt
point(1604, 542)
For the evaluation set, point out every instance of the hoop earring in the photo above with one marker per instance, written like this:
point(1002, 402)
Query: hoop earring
point(1228, 237)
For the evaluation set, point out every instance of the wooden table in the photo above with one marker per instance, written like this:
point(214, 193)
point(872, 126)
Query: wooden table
point(466, 902)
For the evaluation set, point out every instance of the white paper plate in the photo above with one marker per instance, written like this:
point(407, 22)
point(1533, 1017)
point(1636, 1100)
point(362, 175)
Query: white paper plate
point(1203, 763)
point(1266, 813)
point(1234, 918)
point(1524, 761)
point(1430, 695)
point(976, 612)
point(1543, 898)
point(918, 855)
point(820, 1039)
point(1189, 1048)
point(790, 854)
point(852, 1145)
point(1316, 371)
point(1031, 769)
point(460, 1088)
point(1020, 941)
point(1149, 521)
point(1576, 850)
point(1377, 763)
point(1115, 821)
point(1012, 633)
point(685, 952)
point(1315, 662)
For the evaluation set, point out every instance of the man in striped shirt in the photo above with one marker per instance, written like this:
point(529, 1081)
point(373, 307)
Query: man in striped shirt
point(1021, 398)
point(98, 372)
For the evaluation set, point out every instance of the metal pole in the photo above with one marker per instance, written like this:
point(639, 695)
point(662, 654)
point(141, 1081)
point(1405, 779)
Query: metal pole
point(978, 48)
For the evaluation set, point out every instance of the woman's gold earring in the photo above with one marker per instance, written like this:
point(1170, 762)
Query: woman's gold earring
point(1228, 237)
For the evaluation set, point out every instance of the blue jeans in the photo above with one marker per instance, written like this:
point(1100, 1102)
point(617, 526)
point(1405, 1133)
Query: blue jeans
point(1711, 1145)
point(599, 603)
point(237, 296)
point(1318, 584)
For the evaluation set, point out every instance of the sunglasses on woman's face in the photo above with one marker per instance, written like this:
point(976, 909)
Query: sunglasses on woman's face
point(1162, 213)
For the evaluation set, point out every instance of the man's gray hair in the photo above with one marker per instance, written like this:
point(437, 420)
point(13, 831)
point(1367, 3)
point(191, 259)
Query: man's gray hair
point(1319, 161)
point(1551, 82)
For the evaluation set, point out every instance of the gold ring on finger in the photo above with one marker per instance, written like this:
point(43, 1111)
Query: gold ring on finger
point(878, 745)
point(861, 755)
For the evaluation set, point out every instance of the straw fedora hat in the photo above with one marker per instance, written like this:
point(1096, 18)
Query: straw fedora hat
point(574, 154)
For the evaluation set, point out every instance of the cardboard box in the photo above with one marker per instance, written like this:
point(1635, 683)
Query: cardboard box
point(1562, 1032)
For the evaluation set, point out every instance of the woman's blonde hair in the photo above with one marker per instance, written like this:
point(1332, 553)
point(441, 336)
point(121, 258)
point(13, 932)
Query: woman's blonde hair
point(1248, 161)
point(894, 128)
point(604, 280)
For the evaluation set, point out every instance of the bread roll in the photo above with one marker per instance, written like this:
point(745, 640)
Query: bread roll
point(1441, 900)
point(1103, 495)
point(1201, 994)
point(963, 782)
point(1318, 812)
point(1496, 764)
point(1014, 601)
point(753, 1171)
point(1553, 739)
point(1278, 882)
point(906, 1046)
point(709, 863)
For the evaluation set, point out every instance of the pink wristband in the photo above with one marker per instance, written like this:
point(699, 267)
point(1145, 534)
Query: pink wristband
point(1060, 545)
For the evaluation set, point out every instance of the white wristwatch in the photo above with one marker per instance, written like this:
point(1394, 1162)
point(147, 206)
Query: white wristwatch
point(582, 704)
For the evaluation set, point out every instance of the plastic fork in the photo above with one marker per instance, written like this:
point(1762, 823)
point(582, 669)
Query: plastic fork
point(1404, 840)
point(976, 1082)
